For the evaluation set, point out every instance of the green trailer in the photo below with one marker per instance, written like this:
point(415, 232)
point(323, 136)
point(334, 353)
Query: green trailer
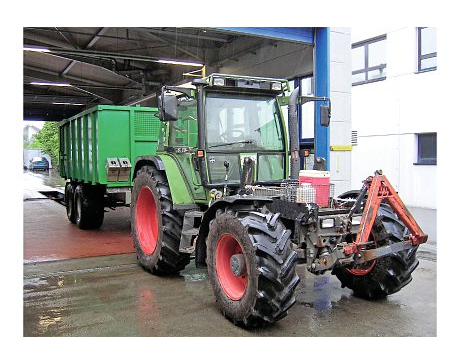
point(97, 150)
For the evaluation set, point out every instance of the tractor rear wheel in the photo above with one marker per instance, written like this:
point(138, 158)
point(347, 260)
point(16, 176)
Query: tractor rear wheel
point(155, 226)
point(251, 266)
point(387, 275)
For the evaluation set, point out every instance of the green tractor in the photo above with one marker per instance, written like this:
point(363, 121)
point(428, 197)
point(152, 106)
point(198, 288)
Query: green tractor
point(223, 187)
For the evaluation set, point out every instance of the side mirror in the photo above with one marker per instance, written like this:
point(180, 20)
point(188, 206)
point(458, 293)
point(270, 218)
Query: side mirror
point(167, 107)
point(325, 113)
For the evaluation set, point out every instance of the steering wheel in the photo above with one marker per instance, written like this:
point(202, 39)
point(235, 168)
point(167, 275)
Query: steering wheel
point(239, 135)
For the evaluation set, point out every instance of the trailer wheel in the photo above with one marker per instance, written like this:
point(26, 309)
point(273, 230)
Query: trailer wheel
point(69, 198)
point(251, 267)
point(156, 227)
point(89, 206)
point(387, 275)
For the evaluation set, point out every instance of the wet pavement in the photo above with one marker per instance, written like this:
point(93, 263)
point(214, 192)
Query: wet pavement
point(48, 234)
point(113, 296)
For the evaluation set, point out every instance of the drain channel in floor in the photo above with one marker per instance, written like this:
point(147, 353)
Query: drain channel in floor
point(54, 195)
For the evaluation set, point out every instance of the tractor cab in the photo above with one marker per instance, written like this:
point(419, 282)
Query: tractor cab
point(233, 126)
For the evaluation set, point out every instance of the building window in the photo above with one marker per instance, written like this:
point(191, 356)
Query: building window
point(306, 112)
point(427, 51)
point(369, 61)
point(426, 148)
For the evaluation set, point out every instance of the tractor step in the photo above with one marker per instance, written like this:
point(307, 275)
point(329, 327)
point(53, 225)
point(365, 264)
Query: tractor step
point(189, 231)
point(187, 236)
point(193, 213)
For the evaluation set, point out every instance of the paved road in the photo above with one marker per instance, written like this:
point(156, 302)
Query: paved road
point(114, 296)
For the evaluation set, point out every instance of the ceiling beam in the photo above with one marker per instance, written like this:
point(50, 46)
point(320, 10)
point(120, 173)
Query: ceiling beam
point(69, 57)
point(104, 54)
point(67, 39)
point(93, 41)
point(98, 35)
point(44, 40)
point(185, 35)
point(167, 42)
point(251, 49)
point(51, 30)
point(50, 99)
point(99, 95)
point(41, 72)
point(105, 87)
point(142, 99)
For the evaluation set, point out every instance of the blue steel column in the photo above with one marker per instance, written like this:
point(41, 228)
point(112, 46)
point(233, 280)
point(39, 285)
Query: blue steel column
point(322, 88)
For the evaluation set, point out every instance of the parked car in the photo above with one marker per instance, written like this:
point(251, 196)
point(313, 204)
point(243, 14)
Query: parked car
point(39, 163)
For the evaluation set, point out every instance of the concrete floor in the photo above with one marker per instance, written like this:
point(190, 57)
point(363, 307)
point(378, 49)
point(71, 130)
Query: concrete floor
point(112, 295)
point(49, 236)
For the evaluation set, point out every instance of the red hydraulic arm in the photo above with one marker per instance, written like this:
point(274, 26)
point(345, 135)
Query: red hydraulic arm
point(379, 189)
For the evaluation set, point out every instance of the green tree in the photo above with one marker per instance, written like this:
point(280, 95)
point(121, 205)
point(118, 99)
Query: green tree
point(26, 141)
point(47, 140)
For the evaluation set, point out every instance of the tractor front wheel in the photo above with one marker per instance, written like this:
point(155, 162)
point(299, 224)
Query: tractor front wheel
point(155, 226)
point(251, 266)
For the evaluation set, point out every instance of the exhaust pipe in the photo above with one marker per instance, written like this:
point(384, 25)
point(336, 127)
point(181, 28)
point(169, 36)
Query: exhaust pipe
point(293, 125)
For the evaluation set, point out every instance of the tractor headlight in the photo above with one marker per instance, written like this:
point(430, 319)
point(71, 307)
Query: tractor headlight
point(356, 220)
point(276, 86)
point(219, 82)
point(327, 223)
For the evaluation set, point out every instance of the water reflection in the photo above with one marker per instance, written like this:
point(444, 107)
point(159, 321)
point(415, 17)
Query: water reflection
point(322, 293)
point(147, 309)
point(49, 321)
point(195, 276)
point(47, 178)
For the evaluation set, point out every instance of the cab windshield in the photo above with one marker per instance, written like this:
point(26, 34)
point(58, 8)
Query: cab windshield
point(245, 122)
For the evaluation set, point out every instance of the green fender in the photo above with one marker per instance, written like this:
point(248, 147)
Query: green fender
point(180, 192)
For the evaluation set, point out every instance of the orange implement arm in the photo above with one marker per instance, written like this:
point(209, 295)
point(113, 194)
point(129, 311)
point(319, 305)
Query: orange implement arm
point(379, 189)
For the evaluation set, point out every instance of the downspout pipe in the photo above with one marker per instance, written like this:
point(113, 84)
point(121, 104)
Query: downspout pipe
point(293, 126)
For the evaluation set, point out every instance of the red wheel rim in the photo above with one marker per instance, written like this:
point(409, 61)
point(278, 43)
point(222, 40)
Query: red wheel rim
point(367, 267)
point(364, 268)
point(233, 286)
point(146, 220)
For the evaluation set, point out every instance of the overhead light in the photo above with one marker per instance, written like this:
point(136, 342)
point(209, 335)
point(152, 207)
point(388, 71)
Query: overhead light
point(182, 63)
point(51, 84)
point(327, 223)
point(33, 49)
point(219, 82)
point(356, 220)
point(67, 103)
point(276, 86)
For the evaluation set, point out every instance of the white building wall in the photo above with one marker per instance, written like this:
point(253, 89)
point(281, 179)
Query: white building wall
point(387, 116)
point(340, 92)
